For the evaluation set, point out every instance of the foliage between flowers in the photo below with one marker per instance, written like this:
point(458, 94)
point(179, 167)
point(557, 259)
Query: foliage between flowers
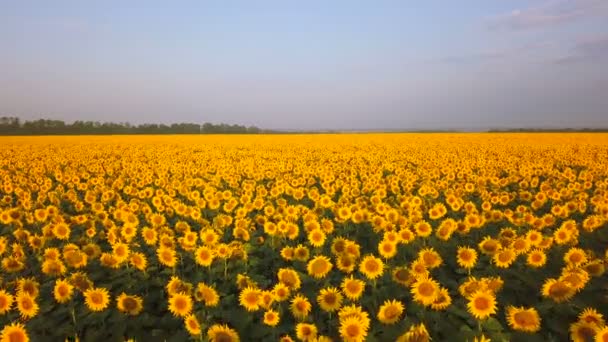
point(196, 237)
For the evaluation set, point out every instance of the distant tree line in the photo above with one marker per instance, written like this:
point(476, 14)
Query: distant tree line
point(14, 126)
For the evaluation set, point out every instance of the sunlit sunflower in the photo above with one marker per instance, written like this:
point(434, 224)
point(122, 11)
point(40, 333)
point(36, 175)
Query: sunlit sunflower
point(129, 304)
point(97, 299)
point(352, 330)
point(63, 291)
point(316, 237)
point(290, 278)
point(425, 291)
point(180, 304)
point(575, 257)
point(423, 229)
point(207, 294)
point(403, 276)
point(14, 332)
point(222, 333)
point(29, 286)
point(6, 302)
point(139, 261)
point(601, 334)
point(466, 257)
point(592, 316)
point(281, 292)
point(558, 290)
point(271, 318)
point(482, 304)
point(204, 256)
point(522, 319)
point(371, 266)
point(329, 299)
point(416, 333)
point(430, 258)
point(306, 332)
point(249, 298)
point(489, 246)
point(319, 267)
point(300, 307)
point(582, 331)
point(387, 249)
point(352, 288)
point(192, 325)
point(442, 301)
point(390, 312)
point(166, 256)
point(504, 258)
point(26, 305)
point(536, 258)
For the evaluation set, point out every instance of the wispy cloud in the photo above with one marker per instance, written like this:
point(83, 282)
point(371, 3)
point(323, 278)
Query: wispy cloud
point(549, 13)
point(586, 50)
point(498, 54)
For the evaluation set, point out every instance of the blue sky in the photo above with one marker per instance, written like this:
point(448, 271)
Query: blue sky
point(308, 64)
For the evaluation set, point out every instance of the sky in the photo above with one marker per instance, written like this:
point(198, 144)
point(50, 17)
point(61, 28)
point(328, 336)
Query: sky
point(312, 64)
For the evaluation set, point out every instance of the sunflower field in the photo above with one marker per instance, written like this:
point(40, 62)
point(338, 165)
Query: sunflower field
point(369, 237)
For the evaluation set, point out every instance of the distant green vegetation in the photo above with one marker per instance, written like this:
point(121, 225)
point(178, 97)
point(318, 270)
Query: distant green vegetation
point(14, 126)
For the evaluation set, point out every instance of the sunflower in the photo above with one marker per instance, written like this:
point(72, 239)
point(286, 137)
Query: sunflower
point(204, 256)
point(6, 302)
point(352, 330)
point(346, 263)
point(271, 318)
point(300, 307)
point(26, 305)
point(592, 316)
point(390, 312)
point(423, 229)
point(387, 249)
point(192, 325)
point(406, 235)
point(372, 267)
point(250, 298)
point(481, 338)
point(430, 258)
point(522, 319)
point(306, 331)
point(207, 294)
point(63, 291)
point(301, 253)
point(97, 299)
point(139, 261)
point(14, 332)
point(316, 237)
point(442, 301)
point(601, 334)
point(352, 288)
point(222, 333)
point(281, 292)
point(61, 231)
point(575, 257)
point(131, 305)
point(489, 246)
point(287, 253)
point(425, 291)
point(558, 290)
point(482, 304)
point(466, 257)
point(329, 299)
point(319, 267)
point(166, 256)
point(416, 333)
point(29, 286)
point(536, 258)
point(180, 304)
point(290, 278)
point(577, 278)
point(354, 311)
point(402, 275)
point(582, 331)
point(504, 258)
